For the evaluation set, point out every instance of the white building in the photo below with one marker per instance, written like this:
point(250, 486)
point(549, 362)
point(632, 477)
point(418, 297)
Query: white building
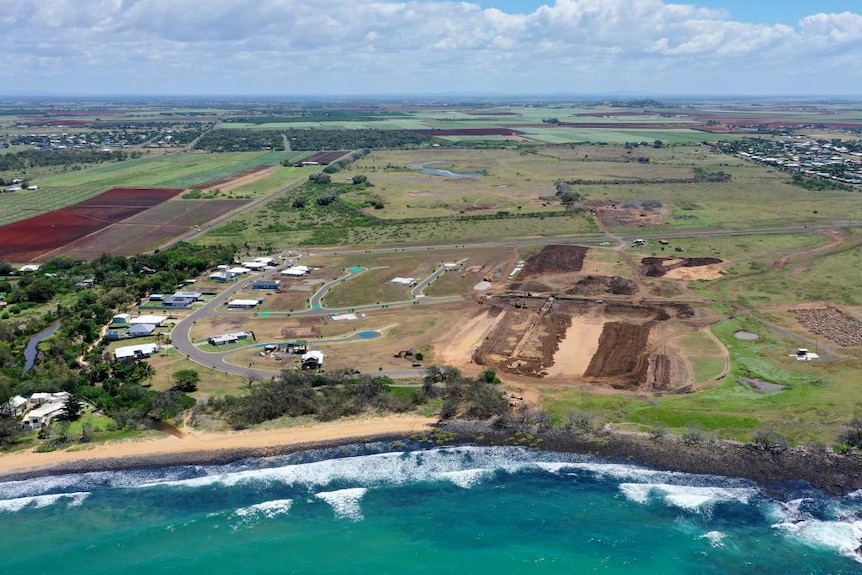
point(44, 415)
point(296, 271)
point(156, 320)
point(136, 351)
point(244, 303)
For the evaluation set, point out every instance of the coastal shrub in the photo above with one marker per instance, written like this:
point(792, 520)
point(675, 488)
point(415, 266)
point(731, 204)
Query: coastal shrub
point(768, 440)
point(852, 434)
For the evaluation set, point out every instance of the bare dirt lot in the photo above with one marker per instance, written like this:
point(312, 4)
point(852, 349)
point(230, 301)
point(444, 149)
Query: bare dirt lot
point(629, 212)
point(553, 269)
point(574, 340)
point(659, 267)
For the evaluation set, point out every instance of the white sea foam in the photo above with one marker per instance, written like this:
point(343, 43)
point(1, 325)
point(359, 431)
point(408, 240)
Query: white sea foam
point(844, 537)
point(345, 502)
point(715, 538)
point(467, 478)
point(688, 497)
point(39, 501)
point(268, 509)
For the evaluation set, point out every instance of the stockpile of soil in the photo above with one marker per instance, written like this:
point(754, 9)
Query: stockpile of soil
point(832, 323)
point(656, 267)
point(620, 354)
point(555, 259)
point(597, 285)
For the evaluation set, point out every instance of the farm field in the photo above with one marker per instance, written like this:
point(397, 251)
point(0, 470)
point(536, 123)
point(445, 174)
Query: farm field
point(179, 170)
point(39, 236)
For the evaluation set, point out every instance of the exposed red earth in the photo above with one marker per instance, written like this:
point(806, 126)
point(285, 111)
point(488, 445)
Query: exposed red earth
point(31, 239)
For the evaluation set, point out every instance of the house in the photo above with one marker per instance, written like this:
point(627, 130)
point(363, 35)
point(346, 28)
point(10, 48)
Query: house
point(16, 405)
point(244, 303)
point(44, 415)
point(230, 337)
point(30, 268)
point(156, 320)
point(117, 334)
point(264, 260)
point(222, 276)
point(239, 270)
point(141, 330)
point(312, 360)
point(136, 351)
point(178, 301)
point(297, 271)
point(121, 319)
point(266, 284)
point(254, 266)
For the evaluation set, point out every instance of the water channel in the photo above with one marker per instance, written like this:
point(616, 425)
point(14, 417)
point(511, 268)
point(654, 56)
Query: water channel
point(32, 350)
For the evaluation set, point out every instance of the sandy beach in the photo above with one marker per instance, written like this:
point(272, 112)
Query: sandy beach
point(202, 442)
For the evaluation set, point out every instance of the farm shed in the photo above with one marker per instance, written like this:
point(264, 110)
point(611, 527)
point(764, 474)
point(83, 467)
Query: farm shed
point(244, 303)
point(136, 351)
point(266, 284)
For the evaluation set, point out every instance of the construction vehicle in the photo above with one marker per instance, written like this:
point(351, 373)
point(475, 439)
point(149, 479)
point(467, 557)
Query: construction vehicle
point(404, 353)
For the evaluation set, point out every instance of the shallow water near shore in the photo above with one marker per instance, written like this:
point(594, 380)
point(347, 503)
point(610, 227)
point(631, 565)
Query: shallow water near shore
point(371, 509)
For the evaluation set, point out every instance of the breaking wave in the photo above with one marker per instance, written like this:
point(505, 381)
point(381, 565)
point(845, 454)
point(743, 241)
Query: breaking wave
point(39, 501)
point(345, 502)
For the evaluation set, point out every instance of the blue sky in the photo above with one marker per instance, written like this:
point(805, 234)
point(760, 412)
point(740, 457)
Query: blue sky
point(755, 11)
point(358, 47)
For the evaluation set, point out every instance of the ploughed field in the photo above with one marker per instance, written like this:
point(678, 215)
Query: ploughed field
point(121, 221)
point(38, 237)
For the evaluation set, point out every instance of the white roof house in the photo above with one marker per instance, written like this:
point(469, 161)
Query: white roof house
point(239, 270)
point(264, 260)
point(121, 318)
point(244, 303)
point(43, 415)
point(153, 319)
point(30, 268)
point(296, 271)
point(136, 351)
point(403, 281)
point(16, 405)
point(254, 265)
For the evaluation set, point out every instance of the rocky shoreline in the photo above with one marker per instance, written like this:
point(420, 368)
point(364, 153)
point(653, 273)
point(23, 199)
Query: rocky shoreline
point(823, 469)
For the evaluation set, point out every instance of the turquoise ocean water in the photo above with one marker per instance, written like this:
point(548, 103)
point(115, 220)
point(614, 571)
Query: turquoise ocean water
point(368, 509)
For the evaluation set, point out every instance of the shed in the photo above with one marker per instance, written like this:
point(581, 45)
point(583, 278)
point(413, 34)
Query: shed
point(312, 359)
point(266, 284)
point(121, 318)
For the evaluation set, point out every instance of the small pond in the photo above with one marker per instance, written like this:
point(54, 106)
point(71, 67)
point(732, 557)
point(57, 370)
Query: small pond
point(368, 334)
point(445, 173)
point(746, 336)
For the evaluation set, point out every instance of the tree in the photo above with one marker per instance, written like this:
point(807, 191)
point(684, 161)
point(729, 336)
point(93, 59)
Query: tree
point(658, 144)
point(185, 380)
point(72, 407)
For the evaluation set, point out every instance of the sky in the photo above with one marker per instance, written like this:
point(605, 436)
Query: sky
point(378, 47)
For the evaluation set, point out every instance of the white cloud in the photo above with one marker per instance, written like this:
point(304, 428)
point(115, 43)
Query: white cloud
point(297, 46)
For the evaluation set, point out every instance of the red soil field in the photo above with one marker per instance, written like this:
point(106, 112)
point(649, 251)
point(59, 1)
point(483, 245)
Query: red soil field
point(150, 229)
point(230, 178)
point(31, 239)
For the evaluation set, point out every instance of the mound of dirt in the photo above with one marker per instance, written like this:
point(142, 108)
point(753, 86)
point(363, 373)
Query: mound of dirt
point(657, 267)
point(555, 259)
point(832, 323)
point(620, 355)
point(599, 285)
